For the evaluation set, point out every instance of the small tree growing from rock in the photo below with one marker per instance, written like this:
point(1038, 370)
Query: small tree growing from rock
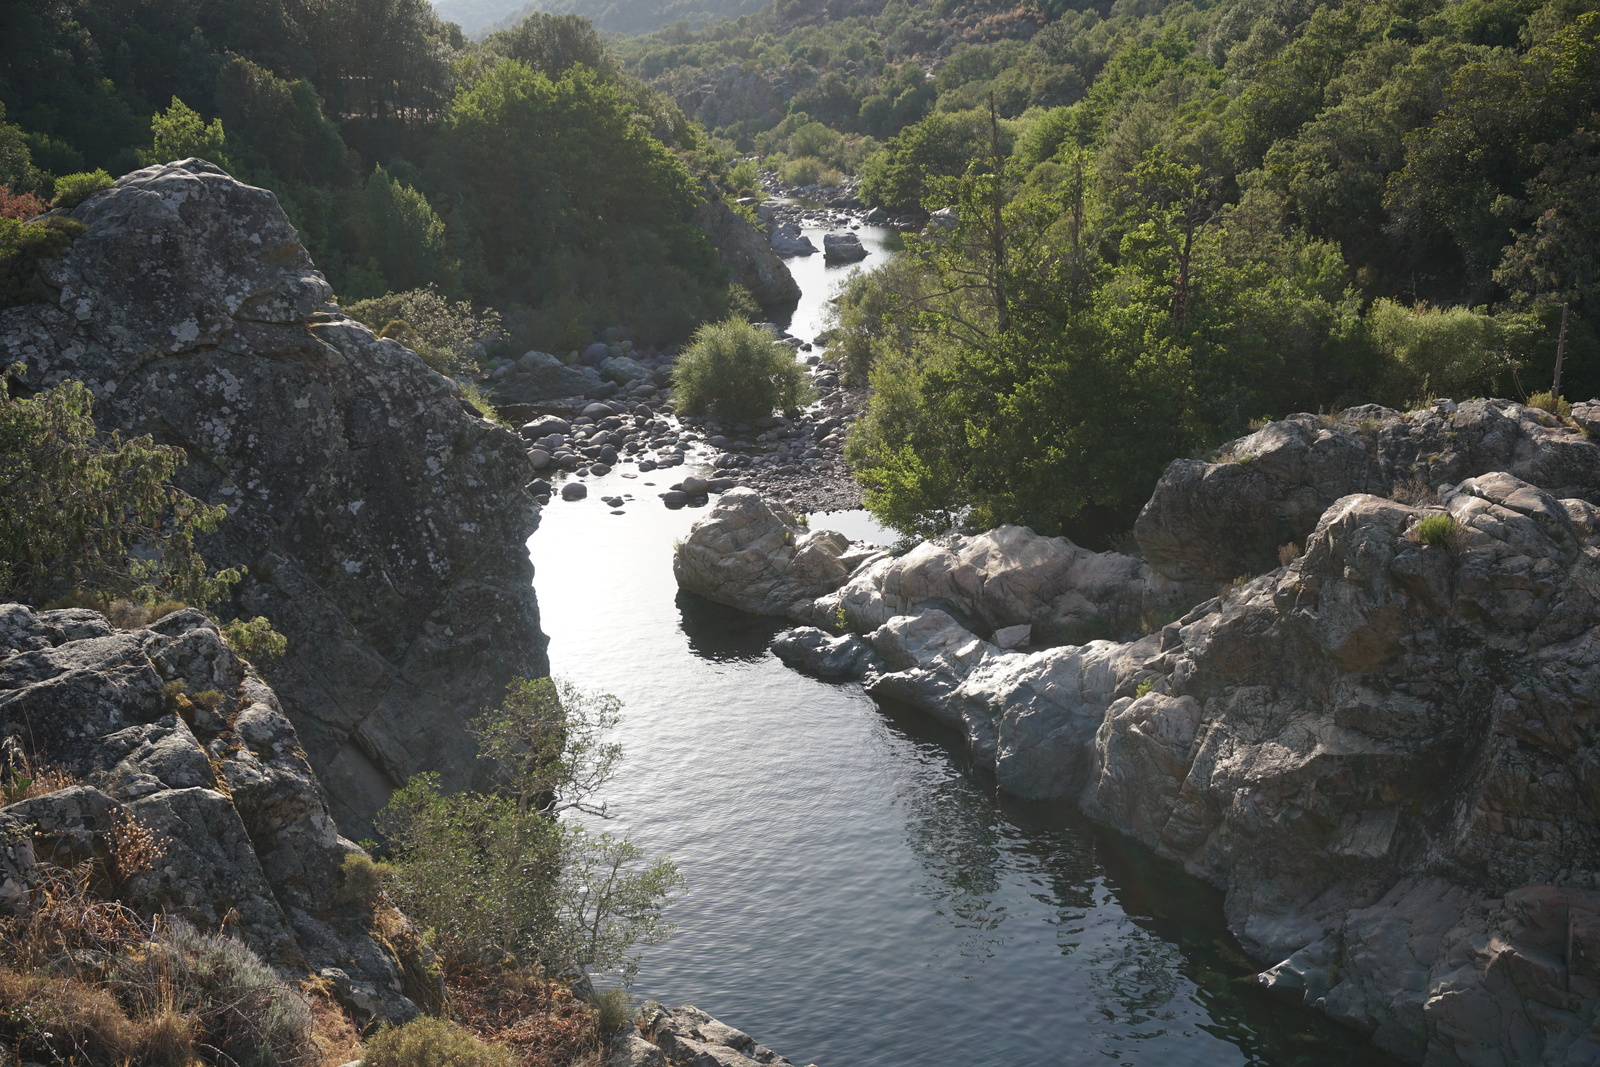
point(734, 371)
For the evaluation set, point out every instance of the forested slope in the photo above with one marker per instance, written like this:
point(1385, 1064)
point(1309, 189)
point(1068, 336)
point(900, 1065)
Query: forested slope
point(405, 154)
point(1176, 218)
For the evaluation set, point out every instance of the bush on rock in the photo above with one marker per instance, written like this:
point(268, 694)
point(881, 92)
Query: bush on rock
point(735, 372)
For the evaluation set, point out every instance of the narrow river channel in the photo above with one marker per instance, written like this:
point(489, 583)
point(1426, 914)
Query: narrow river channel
point(857, 895)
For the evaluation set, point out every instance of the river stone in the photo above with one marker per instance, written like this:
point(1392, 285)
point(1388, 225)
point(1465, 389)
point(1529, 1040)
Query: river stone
point(544, 426)
point(189, 305)
point(753, 555)
point(843, 248)
point(538, 459)
point(622, 370)
point(819, 653)
point(538, 376)
point(574, 491)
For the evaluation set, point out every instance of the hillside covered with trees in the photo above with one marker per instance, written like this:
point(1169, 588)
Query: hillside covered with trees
point(524, 172)
point(1175, 219)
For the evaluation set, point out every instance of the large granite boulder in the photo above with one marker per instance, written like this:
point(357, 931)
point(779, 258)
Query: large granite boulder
point(383, 523)
point(1216, 521)
point(750, 260)
point(166, 727)
point(754, 555)
point(843, 248)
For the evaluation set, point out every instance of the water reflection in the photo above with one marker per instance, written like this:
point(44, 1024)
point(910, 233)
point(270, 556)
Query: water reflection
point(722, 635)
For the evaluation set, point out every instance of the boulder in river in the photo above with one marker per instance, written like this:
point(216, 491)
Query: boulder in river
point(191, 310)
point(754, 555)
point(787, 240)
point(843, 248)
point(752, 261)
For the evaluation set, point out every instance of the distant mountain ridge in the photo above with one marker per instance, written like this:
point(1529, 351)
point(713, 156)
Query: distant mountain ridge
point(478, 18)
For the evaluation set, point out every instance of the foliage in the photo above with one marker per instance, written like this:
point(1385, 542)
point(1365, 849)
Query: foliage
point(1455, 352)
point(1555, 405)
point(74, 189)
point(23, 247)
point(1439, 531)
point(442, 331)
point(20, 206)
point(95, 511)
point(616, 1010)
point(501, 873)
point(179, 132)
point(255, 638)
point(734, 371)
point(430, 1042)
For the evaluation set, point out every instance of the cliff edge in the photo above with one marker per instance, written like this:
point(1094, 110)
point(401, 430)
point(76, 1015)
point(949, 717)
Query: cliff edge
point(382, 521)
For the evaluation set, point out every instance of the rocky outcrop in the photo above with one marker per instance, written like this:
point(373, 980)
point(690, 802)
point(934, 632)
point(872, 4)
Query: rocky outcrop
point(1381, 748)
point(749, 258)
point(1214, 521)
point(688, 1035)
point(383, 523)
point(787, 240)
point(755, 556)
point(167, 730)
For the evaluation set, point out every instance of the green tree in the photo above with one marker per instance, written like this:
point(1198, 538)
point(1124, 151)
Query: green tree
point(179, 132)
point(736, 372)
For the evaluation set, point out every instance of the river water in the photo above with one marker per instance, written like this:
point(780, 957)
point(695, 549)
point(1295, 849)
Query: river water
point(859, 896)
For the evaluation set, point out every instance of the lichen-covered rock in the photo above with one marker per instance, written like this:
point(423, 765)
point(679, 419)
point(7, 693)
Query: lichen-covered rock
point(754, 555)
point(166, 727)
point(383, 523)
point(1383, 750)
point(689, 1036)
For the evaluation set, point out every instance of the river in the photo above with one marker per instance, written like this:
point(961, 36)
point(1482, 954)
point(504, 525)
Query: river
point(858, 895)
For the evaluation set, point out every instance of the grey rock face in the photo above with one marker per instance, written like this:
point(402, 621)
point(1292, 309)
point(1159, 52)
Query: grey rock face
point(245, 836)
point(1213, 522)
point(690, 1036)
point(382, 522)
point(1382, 750)
point(751, 261)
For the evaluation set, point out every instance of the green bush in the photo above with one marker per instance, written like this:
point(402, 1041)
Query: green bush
point(430, 1042)
point(254, 638)
point(440, 330)
point(1440, 531)
point(96, 513)
point(23, 246)
point(1555, 405)
point(74, 189)
point(808, 170)
point(615, 1010)
point(735, 372)
point(498, 873)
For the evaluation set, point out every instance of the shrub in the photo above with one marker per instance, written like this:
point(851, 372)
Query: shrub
point(1555, 405)
point(735, 372)
point(1440, 531)
point(615, 1010)
point(440, 330)
point(96, 512)
point(74, 189)
point(809, 171)
point(236, 1004)
point(360, 882)
point(25, 245)
point(20, 205)
point(429, 1042)
point(496, 874)
point(254, 638)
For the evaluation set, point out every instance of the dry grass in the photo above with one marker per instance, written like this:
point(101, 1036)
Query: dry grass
point(25, 777)
point(540, 1021)
point(333, 1032)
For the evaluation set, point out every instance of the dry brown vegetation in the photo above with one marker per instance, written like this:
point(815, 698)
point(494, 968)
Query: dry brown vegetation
point(539, 1020)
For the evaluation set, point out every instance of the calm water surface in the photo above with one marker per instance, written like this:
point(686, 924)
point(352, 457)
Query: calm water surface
point(857, 895)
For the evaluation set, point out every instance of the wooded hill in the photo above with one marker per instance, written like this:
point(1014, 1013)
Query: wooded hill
point(1175, 219)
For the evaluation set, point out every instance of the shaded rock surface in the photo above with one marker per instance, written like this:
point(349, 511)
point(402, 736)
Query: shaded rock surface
point(167, 727)
point(749, 257)
point(1382, 750)
point(383, 523)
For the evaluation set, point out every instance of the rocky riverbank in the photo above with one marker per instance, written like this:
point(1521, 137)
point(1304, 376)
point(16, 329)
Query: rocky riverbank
point(1347, 679)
